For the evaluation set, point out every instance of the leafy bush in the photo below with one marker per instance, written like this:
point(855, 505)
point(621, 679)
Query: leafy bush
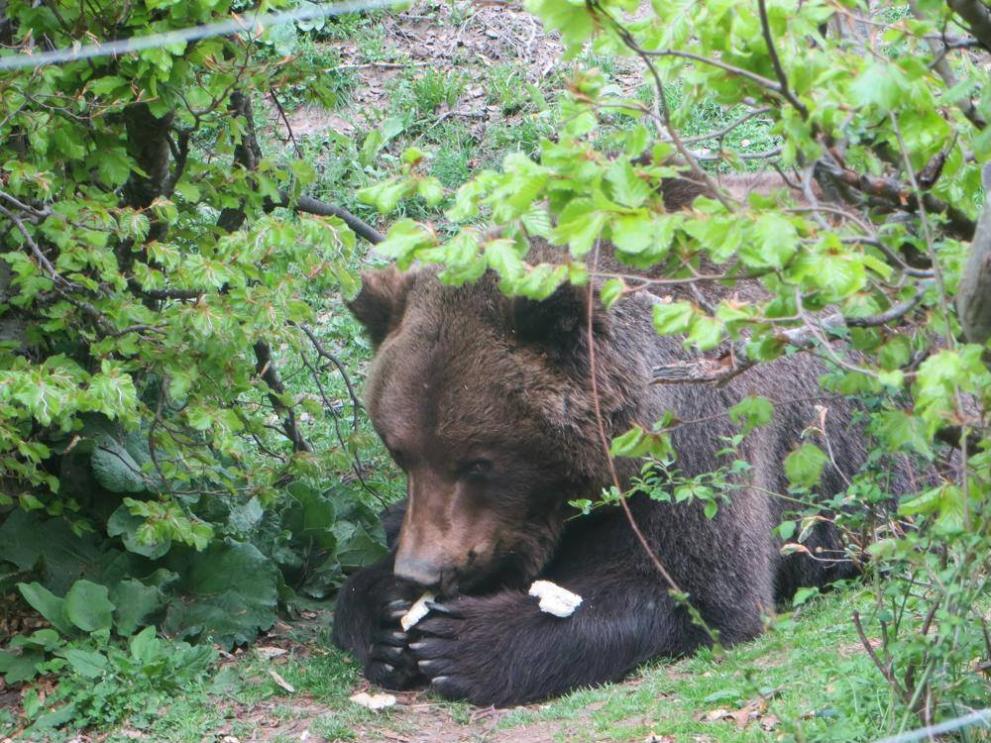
point(180, 444)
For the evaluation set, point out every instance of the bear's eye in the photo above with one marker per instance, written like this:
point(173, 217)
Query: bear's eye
point(475, 469)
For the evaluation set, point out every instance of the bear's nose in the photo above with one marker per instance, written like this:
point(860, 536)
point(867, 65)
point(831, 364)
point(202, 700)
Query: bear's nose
point(420, 571)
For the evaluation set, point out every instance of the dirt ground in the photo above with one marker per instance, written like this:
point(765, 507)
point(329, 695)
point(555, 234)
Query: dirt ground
point(468, 37)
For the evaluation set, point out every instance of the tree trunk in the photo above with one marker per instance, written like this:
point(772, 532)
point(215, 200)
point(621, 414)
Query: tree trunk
point(974, 297)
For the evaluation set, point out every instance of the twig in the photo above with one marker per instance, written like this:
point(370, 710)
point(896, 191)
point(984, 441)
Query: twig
point(285, 120)
point(784, 90)
point(644, 55)
point(764, 82)
point(977, 717)
point(324, 353)
point(939, 50)
point(720, 133)
point(766, 155)
point(721, 370)
point(978, 17)
point(269, 372)
point(604, 439)
point(893, 194)
point(885, 670)
point(32, 245)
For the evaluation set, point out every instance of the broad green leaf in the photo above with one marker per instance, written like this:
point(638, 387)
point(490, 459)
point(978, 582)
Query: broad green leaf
point(752, 411)
point(804, 466)
point(579, 226)
point(88, 606)
point(627, 188)
point(773, 241)
point(46, 603)
point(134, 604)
point(633, 233)
point(87, 663)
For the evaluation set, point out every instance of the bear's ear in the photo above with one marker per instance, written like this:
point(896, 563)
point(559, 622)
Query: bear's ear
point(559, 322)
point(381, 302)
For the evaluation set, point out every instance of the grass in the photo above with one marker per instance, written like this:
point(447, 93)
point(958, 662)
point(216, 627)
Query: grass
point(809, 671)
point(807, 680)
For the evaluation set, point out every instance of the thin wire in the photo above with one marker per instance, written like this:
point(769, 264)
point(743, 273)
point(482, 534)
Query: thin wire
point(979, 717)
point(233, 25)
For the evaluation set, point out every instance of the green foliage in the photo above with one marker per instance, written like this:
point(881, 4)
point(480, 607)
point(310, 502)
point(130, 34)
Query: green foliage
point(176, 448)
point(867, 280)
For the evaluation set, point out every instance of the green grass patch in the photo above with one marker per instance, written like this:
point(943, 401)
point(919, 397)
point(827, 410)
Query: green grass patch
point(807, 675)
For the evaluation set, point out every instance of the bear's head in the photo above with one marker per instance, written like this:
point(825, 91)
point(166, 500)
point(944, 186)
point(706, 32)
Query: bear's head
point(484, 402)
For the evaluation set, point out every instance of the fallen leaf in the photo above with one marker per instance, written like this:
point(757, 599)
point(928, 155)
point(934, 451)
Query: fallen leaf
point(267, 652)
point(281, 682)
point(769, 722)
point(373, 701)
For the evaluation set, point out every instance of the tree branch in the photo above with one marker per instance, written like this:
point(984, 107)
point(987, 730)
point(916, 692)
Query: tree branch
point(310, 205)
point(892, 194)
point(269, 372)
point(977, 15)
point(779, 71)
point(722, 369)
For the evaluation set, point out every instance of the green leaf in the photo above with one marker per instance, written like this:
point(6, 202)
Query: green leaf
point(611, 291)
point(230, 594)
point(633, 233)
point(706, 332)
point(804, 466)
point(579, 226)
point(786, 530)
point(115, 468)
point(627, 188)
point(145, 646)
point(430, 190)
point(753, 411)
point(17, 668)
point(88, 606)
point(628, 444)
point(125, 524)
point(46, 603)
point(87, 663)
point(404, 239)
point(774, 240)
point(135, 603)
point(882, 84)
point(802, 595)
point(673, 317)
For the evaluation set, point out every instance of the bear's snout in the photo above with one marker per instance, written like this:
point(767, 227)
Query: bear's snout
point(424, 572)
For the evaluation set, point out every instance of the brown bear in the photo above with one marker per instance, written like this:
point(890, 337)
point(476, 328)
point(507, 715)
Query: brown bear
point(485, 402)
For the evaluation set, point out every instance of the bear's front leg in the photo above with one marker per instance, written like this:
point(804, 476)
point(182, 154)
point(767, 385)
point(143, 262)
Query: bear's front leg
point(502, 650)
point(366, 622)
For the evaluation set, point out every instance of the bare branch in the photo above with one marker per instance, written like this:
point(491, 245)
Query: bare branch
point(322, 209)
point(720, 133)
point(943, 69)
point(892, 194)
point(977, 15)
point(760, 80)
point(324, 353)
point(32, 245)
point(268, 371)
